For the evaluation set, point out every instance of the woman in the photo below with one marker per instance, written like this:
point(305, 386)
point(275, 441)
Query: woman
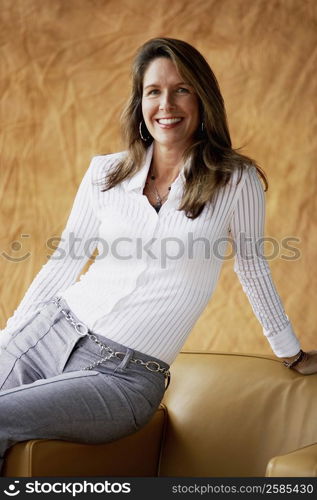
point(89, 360)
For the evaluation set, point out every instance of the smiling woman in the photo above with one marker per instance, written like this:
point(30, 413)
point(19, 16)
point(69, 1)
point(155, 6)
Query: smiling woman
point(89, 360)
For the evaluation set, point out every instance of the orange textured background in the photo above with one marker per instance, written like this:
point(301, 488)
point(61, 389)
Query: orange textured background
point(64, 78)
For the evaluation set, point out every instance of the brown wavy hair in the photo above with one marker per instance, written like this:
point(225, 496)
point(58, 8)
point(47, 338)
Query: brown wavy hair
point(212, 157)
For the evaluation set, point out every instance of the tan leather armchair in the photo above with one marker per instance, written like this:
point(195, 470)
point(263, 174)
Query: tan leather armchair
point(224, 415)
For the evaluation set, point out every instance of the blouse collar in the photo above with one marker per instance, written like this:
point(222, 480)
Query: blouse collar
point(137, 182)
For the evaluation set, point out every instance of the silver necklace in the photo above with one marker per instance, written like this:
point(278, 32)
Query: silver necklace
point(159, 199)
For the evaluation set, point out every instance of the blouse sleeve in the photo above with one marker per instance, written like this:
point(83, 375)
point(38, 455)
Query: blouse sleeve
point(252, 268)
point(66, 262)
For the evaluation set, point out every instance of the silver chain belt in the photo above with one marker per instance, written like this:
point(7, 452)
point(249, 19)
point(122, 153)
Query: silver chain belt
point(152, 366)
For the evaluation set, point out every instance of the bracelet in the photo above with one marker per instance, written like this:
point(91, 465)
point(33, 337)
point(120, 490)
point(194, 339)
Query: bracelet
point(290, 364)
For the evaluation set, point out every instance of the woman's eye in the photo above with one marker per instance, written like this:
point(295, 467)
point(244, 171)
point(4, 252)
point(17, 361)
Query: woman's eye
point(179, 90)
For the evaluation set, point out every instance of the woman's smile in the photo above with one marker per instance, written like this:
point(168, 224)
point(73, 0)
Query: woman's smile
point(169, 122)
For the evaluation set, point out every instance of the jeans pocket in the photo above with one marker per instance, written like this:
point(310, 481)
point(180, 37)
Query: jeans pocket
point(72, 345)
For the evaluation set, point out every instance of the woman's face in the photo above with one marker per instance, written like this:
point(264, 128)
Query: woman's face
point(169, 105)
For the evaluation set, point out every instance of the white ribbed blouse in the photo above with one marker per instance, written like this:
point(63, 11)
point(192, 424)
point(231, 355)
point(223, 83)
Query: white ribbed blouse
point(155, 272)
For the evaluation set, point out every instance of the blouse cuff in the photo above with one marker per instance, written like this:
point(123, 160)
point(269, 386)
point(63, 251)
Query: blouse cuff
point(284, 344)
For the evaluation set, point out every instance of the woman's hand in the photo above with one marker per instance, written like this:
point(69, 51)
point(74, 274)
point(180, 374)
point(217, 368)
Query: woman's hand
point(308, 365)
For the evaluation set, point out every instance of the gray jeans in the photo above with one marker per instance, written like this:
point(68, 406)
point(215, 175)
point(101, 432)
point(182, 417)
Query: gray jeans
point(46, 393)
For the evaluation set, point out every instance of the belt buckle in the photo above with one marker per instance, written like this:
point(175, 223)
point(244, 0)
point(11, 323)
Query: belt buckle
point(150, 362)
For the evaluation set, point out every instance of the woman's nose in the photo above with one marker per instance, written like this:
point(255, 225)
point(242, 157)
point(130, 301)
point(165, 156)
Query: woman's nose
point(166, 101)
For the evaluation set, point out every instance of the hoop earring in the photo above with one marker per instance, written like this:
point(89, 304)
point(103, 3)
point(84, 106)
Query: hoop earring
point(145, 139)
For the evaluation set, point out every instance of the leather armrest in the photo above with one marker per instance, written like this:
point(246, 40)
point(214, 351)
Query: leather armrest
point(298, 463)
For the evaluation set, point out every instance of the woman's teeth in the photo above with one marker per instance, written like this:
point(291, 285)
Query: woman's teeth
point(169, 121)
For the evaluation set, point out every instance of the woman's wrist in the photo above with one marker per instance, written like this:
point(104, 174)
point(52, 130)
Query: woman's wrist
point(291, 358)
point(294, 360)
